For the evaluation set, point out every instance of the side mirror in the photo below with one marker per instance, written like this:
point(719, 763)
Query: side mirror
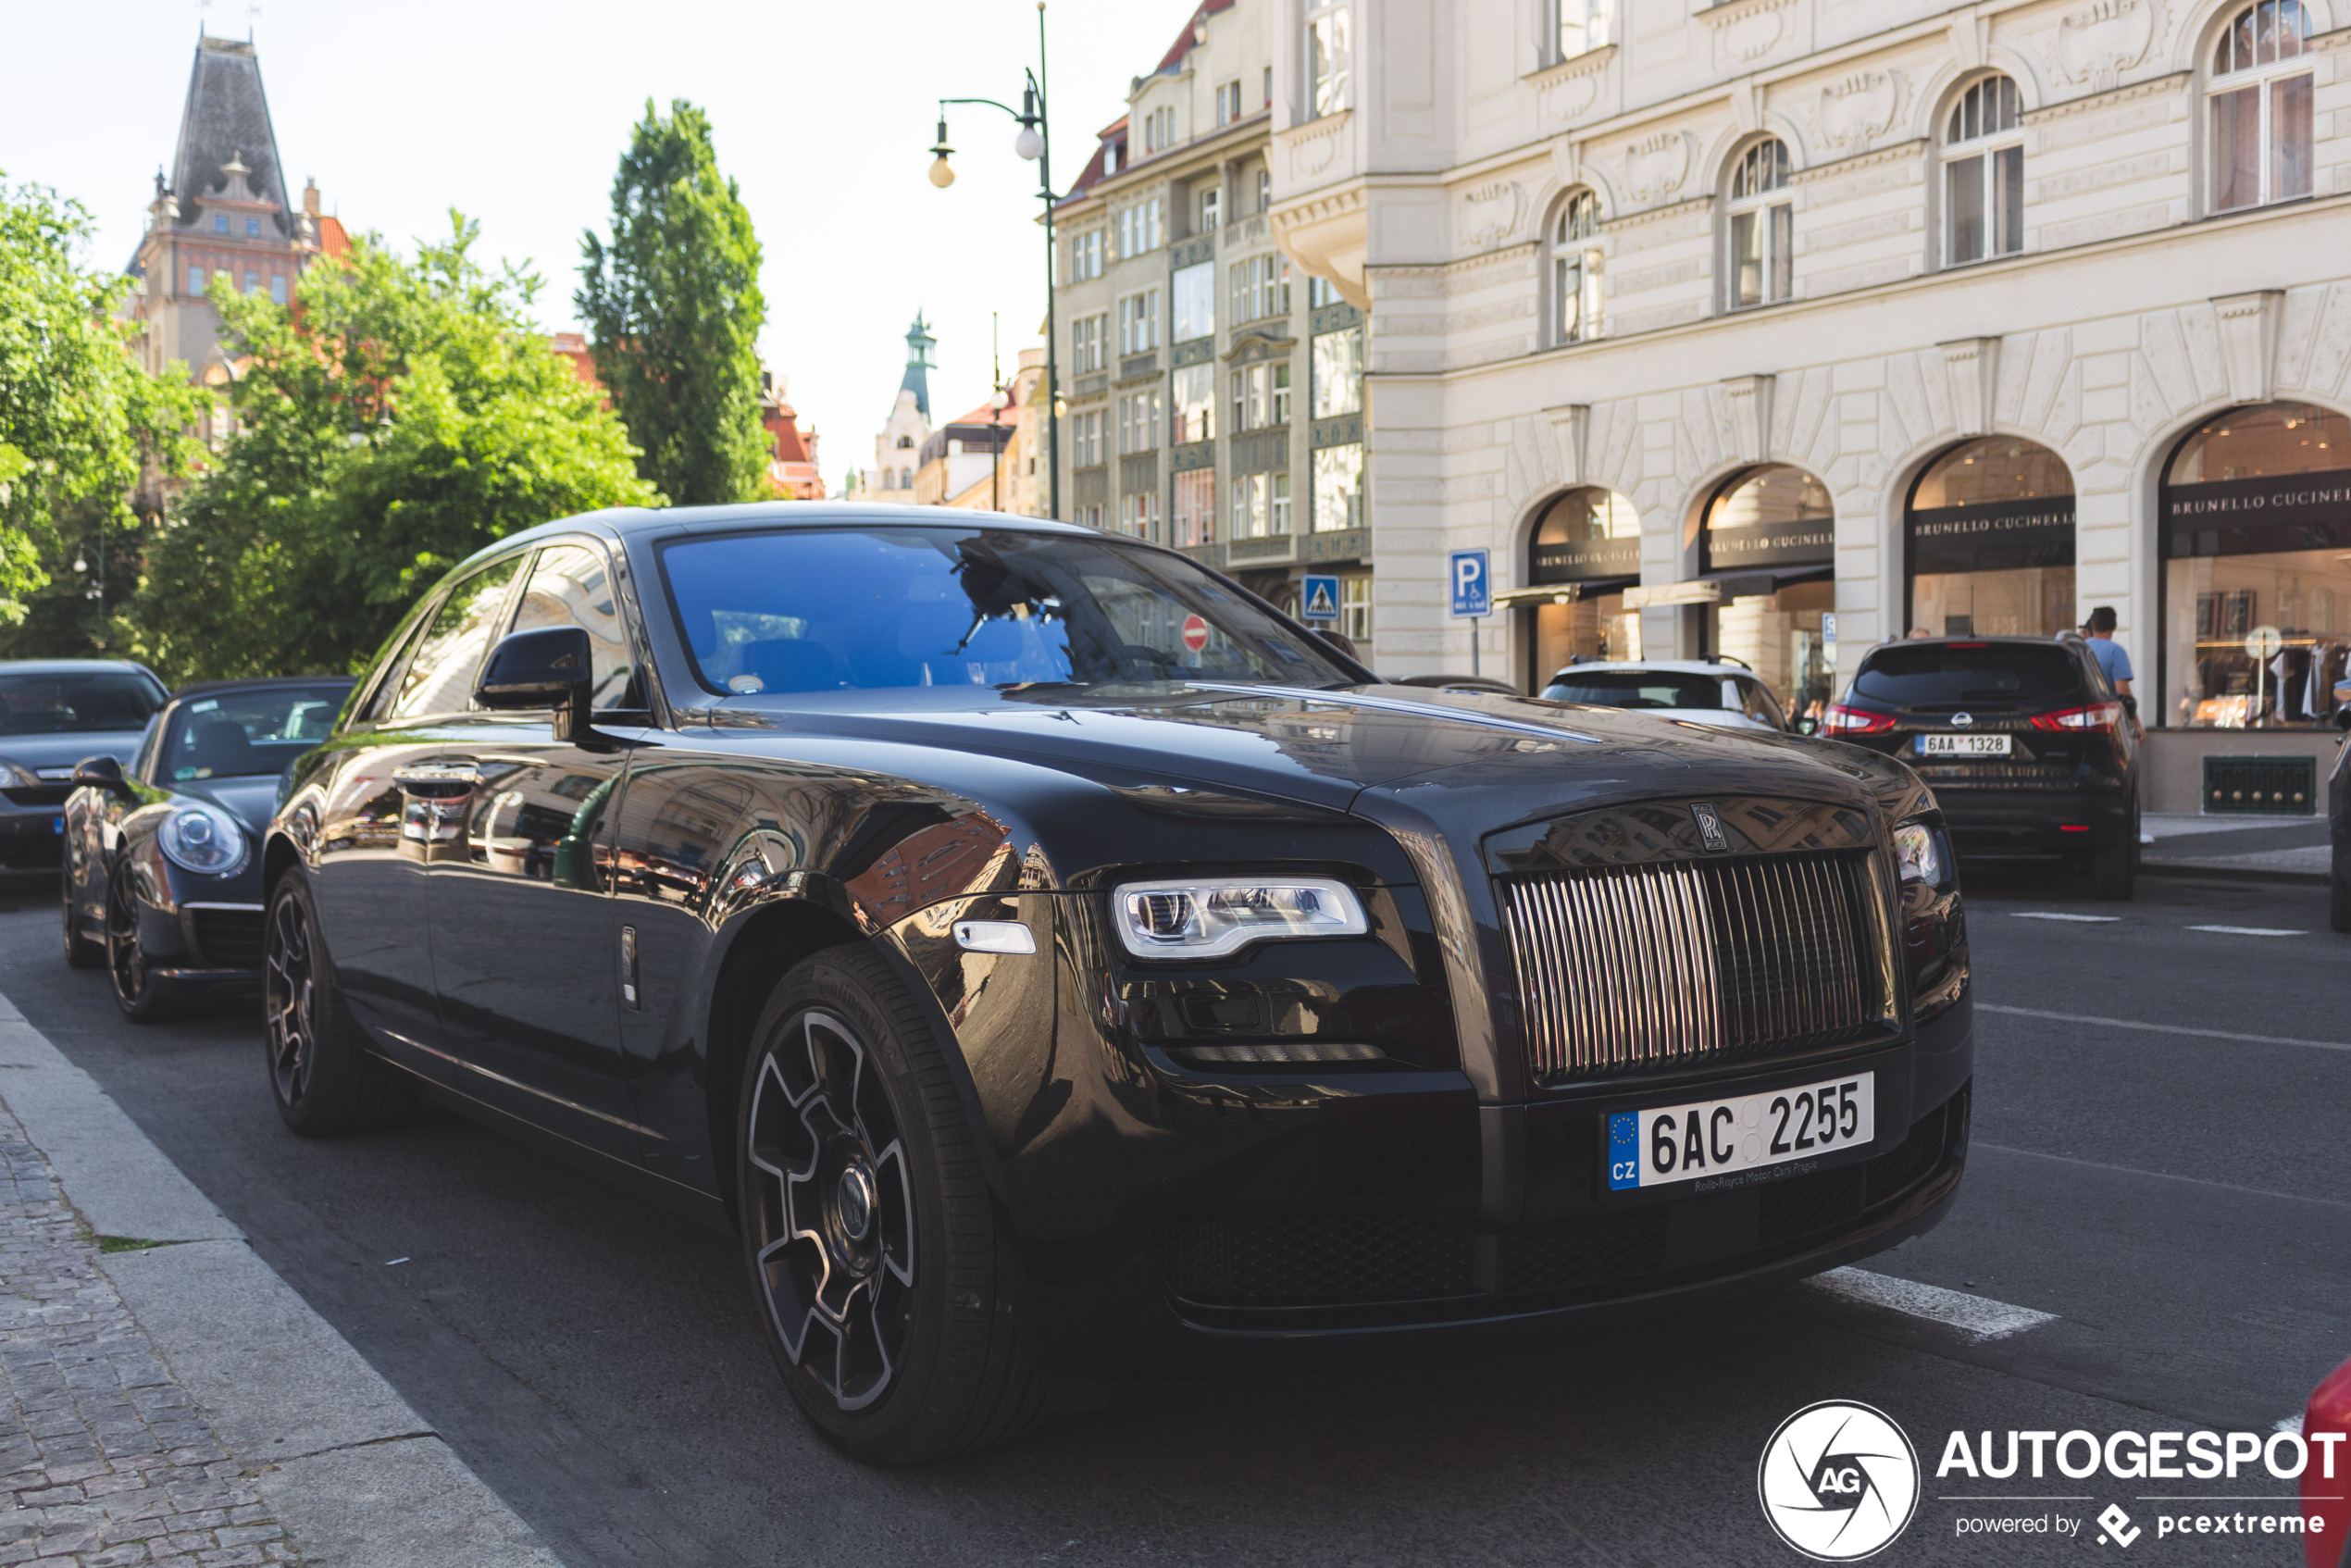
point(546, 668)
point(1340, 640)
point(102, 773)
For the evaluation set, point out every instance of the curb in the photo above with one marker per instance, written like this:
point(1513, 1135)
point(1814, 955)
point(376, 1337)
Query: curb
point(352, 1472)
point(2220, 871)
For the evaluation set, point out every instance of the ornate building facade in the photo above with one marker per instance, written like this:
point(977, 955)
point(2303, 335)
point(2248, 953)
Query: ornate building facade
point(898, 448)
point(1776, 328)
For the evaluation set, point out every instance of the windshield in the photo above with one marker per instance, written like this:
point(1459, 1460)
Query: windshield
point(875, 609)
point(246, 734)
point(1639, 689)
point(84, 703)
point(1953, 674)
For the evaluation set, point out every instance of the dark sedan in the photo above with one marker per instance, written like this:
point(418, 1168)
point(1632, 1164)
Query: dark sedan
point(162, 880)
point(53, 714)
point(1058, 967)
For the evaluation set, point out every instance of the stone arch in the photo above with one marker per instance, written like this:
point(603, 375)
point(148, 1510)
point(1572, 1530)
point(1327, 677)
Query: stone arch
point(2201, 23)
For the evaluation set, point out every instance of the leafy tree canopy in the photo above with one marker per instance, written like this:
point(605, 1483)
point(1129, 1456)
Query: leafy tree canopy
point(398, 416)
point(674, 309)
point(83, 431)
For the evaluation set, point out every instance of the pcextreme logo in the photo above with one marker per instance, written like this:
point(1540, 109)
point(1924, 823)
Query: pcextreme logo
point(1838, 1481)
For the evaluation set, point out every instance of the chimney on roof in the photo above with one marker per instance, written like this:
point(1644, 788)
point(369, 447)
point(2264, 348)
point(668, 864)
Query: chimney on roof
point(310, 197)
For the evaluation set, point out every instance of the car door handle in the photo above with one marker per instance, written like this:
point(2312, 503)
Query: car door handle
point(438, 772)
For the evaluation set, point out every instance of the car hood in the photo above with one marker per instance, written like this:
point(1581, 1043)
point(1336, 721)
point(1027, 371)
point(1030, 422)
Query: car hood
point(249, 801)
point(1497, 760)
point(65, 750)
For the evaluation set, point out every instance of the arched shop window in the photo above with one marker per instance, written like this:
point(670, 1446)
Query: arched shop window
point(2256, 519)
point(1585, 553)
point(1770, 542)
point(1989, 535)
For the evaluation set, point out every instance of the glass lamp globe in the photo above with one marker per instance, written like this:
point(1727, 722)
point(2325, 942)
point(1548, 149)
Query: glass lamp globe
point(943, 173)
point(1030, 143)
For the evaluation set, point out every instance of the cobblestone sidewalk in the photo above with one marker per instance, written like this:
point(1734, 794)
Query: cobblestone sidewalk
point(105, 1459)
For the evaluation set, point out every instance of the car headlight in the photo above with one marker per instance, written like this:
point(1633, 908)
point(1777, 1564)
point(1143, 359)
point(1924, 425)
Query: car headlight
point(1210, 917)
point(203, 839)
point(1920, 854)
point(15, 778)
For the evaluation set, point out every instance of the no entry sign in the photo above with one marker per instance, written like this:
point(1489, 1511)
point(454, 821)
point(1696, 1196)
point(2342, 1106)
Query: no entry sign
point(1195, 634)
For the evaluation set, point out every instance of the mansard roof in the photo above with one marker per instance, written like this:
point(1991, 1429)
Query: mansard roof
point(226, 120)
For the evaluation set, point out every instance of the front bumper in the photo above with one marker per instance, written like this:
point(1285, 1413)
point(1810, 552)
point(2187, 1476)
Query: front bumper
point(31, 831)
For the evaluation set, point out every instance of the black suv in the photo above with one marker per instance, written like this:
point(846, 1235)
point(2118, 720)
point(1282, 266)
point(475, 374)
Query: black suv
point(2022, 740)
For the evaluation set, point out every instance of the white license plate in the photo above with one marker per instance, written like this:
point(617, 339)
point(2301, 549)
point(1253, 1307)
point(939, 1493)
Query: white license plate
point(1963, 745)
point(1716, 1138)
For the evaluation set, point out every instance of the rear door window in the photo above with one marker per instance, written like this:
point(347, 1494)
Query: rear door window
point(1957, 674)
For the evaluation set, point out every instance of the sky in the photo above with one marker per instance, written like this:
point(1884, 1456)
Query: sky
point(516, 113)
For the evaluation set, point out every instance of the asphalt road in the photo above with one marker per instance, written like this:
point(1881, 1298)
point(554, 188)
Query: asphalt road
point(2179, 1202)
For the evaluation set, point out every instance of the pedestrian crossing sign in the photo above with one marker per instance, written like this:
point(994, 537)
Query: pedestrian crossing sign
point(1319, 602)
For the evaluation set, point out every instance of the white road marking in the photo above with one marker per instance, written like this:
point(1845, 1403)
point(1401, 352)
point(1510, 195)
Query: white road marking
point(2052, 914)
point(2249, 930)
point(2159, 1028)
point(1978, 1317)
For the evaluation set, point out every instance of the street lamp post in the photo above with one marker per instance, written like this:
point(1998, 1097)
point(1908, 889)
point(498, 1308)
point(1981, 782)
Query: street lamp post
point(1034, 144)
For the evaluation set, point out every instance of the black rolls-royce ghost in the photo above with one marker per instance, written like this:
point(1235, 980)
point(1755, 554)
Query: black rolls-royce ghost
point(162, 878)
point(1060, 967)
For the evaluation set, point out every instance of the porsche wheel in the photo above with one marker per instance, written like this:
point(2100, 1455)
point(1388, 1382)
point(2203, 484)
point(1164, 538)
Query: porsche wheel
point(142, 995)
point(867, 1229)
point(321, 1072)
point(81, 952)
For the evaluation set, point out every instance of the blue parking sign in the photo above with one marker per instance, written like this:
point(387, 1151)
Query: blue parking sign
point(1319, 600)
point(1473, 585)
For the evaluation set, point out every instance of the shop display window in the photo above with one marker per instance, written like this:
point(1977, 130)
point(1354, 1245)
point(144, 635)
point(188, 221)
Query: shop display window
point(1770, 541)
point(1990, 538)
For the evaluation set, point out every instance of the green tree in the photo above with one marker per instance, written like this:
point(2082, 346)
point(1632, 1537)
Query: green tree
point(397, 418)
point(674, 311)
point(88, 440)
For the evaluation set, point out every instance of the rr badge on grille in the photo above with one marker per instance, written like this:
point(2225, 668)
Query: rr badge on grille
point(1709, 827)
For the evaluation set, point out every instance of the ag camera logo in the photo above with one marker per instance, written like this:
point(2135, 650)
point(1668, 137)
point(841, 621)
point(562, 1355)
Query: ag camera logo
point(1838, 1481)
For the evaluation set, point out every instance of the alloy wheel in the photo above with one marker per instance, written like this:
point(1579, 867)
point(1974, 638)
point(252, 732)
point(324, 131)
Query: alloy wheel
point(126, 959)
point(288, 998)
point(834, 1207)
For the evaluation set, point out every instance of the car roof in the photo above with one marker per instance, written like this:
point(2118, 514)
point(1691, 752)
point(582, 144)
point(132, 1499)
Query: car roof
point(628, 522)
point(1996, 639)
point(1683, 666)
point(70, 666)
point(262, 683)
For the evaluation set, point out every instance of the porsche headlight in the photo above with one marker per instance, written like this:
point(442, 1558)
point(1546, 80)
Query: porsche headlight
point(1210, 917)
point(15, 778)
point(1920, 854)
point(203, 839)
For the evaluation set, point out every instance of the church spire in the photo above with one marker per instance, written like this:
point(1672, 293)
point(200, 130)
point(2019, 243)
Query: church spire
point(919, 343)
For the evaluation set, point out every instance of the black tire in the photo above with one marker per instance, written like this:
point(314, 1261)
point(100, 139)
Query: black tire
point(142, 996)
point(2113, 870)
point(867, 1229)
point(321, 1075)
point(81, 952)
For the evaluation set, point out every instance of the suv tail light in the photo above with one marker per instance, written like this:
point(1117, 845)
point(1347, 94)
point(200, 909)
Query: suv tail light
point(1838, 719)
point(2098, 718)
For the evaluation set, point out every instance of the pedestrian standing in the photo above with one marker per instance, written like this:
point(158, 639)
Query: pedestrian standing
point(2099, 633)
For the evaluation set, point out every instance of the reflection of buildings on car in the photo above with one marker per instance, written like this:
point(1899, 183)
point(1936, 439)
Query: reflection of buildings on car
point(1780, 330)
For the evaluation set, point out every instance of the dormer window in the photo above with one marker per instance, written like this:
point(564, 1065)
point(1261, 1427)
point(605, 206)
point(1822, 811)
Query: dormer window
point(220, 223)
point(253, 228)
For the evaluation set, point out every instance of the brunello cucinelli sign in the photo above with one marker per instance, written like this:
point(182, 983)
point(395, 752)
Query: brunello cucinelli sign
point(1582, 560)
point(2275, 512)
point(1812, 543)
point(1993, 536)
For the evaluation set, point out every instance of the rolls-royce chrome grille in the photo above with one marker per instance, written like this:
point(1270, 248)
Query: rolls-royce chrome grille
point(1638, 967)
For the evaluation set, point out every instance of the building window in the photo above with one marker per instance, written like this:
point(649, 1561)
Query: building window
point(1138, 322)
point(277, 288)
point(253, 228)
point(1261, 289)
point(1330, 60)
point(1195, 289)
point(1989, 537)
point(1139, 423)
point(1192, 520)
point(1264, 190)
point(1576, 270)
point(2262, 142)
point(1321, 292)
point(1086, 256)
point(1269, 87)
point(1211, 209)
point(1339, 488)
point(1113, 156)
point(1984, 174)
point(1138, 515)
point(2252, 518)
point(1086, 450)
point(905, 478)
point(1355, 610)
point(1088, 338)
point(1139, 227)
point(220, 223)
point(1159, 130)
point(1260, 396)
point(1228, 102)
point(1193, 417)
point(1775, 528)
point(1339, 373)
point(196, 279)
point(1762, 228)
point(1261, 507)
point(1583, 26)
point(1091, 517)
point(252, 281)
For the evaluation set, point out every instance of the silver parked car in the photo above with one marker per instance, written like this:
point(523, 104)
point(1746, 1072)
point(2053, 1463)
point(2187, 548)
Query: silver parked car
point(1722, 693)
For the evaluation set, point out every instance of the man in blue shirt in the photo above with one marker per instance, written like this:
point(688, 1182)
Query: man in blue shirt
point(2106, 651)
